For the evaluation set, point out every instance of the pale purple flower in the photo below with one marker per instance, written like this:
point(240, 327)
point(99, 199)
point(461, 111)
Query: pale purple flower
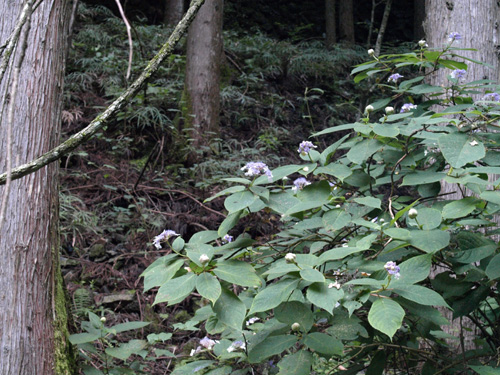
point(454, 36)
point(392, 269)
point(458, 73)
point(227, 238)
point(299, 184)
point(305, 147)
point(407, 107)
point(163, 236)
point(492, 97)
point(208, 343)
point(256, 169)
point(251, 321)
point(394, 77)
point(236, 345)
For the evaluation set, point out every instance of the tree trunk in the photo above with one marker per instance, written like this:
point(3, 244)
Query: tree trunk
point(33, 329)
point(174, 10)
point(418, 19)
point(383, 26)
point(476, 23)
point(201, 93)
point(346, 21)
point(331, 25)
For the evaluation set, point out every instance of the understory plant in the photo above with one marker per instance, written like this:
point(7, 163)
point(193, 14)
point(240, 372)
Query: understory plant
point(371, 261)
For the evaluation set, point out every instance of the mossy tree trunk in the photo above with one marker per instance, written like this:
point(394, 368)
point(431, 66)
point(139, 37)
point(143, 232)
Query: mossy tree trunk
point(330, 23)
point(346, 21)
point(203, 65)
point(33, 328)
point(174, 10)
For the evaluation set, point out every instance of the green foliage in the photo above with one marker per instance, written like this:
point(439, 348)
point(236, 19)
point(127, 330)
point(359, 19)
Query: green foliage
point(327, 283)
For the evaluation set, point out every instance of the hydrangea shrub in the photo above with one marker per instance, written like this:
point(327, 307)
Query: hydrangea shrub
point(347, 278)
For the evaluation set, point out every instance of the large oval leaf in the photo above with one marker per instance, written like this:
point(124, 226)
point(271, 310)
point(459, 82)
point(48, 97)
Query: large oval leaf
point(386, 316)
point(458, 149)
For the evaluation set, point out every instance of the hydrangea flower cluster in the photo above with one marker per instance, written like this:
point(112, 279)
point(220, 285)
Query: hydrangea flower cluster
point(256, 169)
point(458, 74)
point(227, 238)
point(163, 236)
point(407, 107)
point(392, 269)
point(454, 36)
point(299, 184)
point(492, 97)
point(206, 343)
point(394, 77)
point(305, 147)
point(236, 345)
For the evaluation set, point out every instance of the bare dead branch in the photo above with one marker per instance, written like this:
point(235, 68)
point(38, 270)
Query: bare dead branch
point(129, 34)
point(83, 135)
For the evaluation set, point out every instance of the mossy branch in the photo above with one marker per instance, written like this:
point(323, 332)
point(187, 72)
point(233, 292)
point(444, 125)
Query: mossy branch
point(83, 135)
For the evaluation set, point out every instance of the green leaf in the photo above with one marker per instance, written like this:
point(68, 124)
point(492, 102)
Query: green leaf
point(386, 316)
point(82, 338)
point(472, 247)
point(460, 208)
point(305, 206)
point(493, 268)
point(237, 272)
point(175, 290)
point(386, 130)
point(279, 173)
point(458, 149)
point(295, 312)
point(421, 295)
point(208, 286)
point(330, 150)
point(336, 219)
point(369, 201)
point(230, 190)
point(129, 326)
point(127, 349)
point(240, 200)
point(226, 370)
point(271, 296)
point(323, 343)
point(192, 367)
point(336, 170)
point(230, 310)
point(299, 363)
point(178, 244)
point(311, 274)
point(323, 296)
point(195, 251)
point(428, 218)
point(361, 151)
point(486, 370)
point(491, 196)
point(337, 253)
point(205, 236)
point(429, 241)
point(271, 346)
point(422, 177)
point(414, 270)
point(161, 274)
point(229, 222)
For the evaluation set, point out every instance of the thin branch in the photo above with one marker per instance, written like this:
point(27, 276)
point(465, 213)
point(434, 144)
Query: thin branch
point(129, 34)
point(10, 113)
point(83, 135)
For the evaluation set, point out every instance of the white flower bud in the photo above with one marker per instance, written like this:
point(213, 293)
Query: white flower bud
point(295, 327)
point(371, 52)
point(103, 319)
point(389, 110)
point(204, 259)
point(369, 108)
point(412, 213)
point(290, 257)
point(422, 43)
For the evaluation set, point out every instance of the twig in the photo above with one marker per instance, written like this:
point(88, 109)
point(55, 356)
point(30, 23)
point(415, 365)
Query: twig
point(98, 123)
point(129, 34)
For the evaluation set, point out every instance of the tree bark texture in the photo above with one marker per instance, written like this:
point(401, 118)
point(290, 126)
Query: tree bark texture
point(174, 10)
point(330, 23)
point(346, 21)
point(383, 27)
point(29, 241)
point(202, 96)
point(476, 23)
